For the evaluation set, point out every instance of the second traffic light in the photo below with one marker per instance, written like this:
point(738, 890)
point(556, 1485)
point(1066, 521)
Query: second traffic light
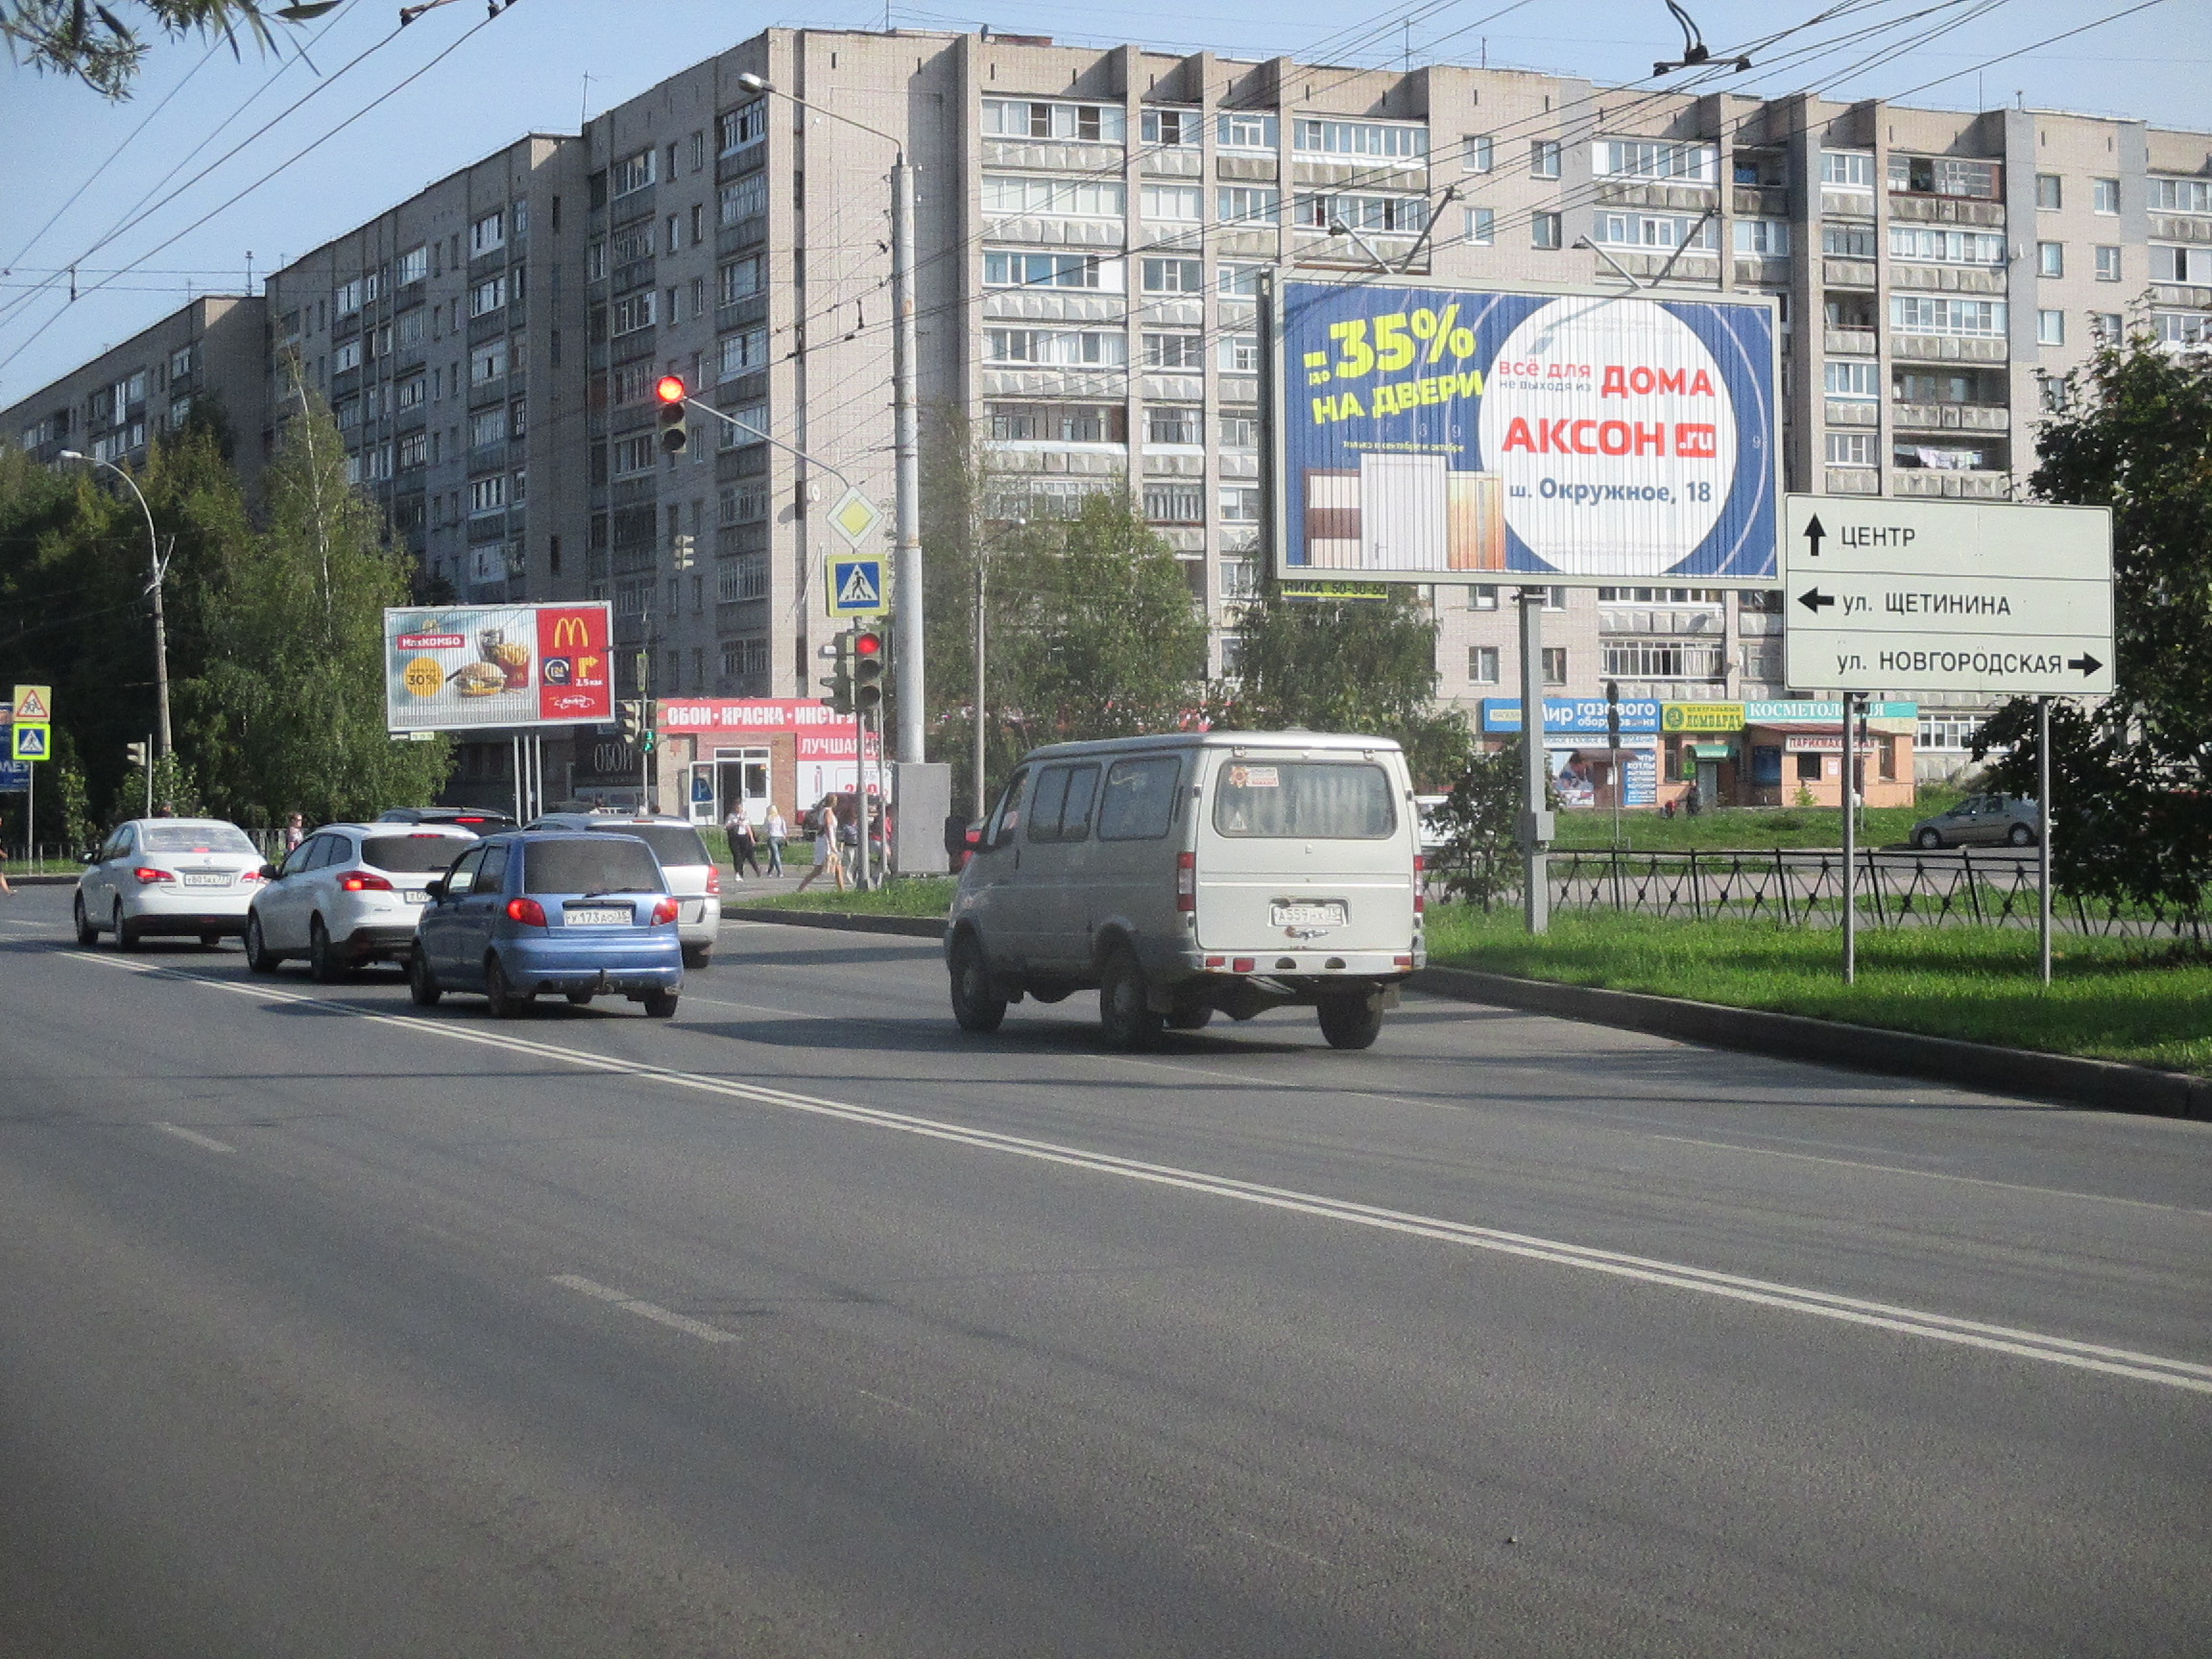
point(135, 754)
point(868, 656)
point(840, 682)
point(675, 432)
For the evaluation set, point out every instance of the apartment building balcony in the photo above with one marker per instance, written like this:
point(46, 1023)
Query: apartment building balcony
point(1063, 154)
point(1064, 305)
point(1945, 210)
point(2190, 294)
point(1948, 278)
point(1852, 411)
point(1755, 271)
point(1761, 202)
point(1058, 233)
point(1952, 416)
point(1693, 266)
point(1847, 272)
point(1089, 383)
point(1952, 486)
point(2179, 227)
point(749, 232)
point(1173, 161)
point(1367, 172)
point(1847, 203)
point(1850, 341)
point(1852, 480)
point(1667, 198)
point(1249, 169)
point(1947, 349)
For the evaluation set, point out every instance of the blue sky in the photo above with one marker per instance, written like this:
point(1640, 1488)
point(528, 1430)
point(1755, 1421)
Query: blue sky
point(87, 165)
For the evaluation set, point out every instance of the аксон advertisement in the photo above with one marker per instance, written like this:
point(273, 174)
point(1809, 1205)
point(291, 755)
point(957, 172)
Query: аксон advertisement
point(456, 667)
point(1439, 434)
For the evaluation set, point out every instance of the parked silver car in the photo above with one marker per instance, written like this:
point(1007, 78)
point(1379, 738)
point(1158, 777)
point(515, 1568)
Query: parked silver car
point(683, 859)
point(1983, 820)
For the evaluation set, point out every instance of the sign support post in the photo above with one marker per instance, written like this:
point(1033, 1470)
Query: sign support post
point(1535, 822)
point(2043, 837)
point(1850, 843)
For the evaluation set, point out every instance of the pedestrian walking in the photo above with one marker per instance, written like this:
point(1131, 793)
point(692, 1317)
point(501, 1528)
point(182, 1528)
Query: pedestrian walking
point(829, 854)
point(739, 830)
point(6, 891)
point(294, 832)
point(778, 832)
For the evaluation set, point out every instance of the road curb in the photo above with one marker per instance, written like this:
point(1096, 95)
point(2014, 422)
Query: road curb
point(2108, 1085)
point(851, 922)
point(40, 881)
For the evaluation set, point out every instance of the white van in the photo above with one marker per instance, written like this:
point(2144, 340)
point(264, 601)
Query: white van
point(1238, 871)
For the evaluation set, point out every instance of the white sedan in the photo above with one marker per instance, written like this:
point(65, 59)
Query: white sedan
point(168, 875)
point(349, 893)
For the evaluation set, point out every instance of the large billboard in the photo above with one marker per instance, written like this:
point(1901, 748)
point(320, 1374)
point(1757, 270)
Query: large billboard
point(456, 667)
point(1432, 433)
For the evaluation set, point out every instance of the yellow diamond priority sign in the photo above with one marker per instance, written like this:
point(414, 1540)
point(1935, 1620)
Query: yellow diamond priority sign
point(853, 516)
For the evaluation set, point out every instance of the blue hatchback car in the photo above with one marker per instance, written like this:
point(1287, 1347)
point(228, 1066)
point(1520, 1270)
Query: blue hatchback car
point(529, 912)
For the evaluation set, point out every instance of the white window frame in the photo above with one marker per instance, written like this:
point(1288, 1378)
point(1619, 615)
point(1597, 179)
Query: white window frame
point(1662, 159)
point(2050, 326)
point(1249, 204)
point(487, 234)
point(1478, 153)
point(1482, 226)
point(631, 173)
point(1050, 121)
point(1247, 130)
point(1856, 380)
point(745, 353)
point(632, 313)
point(1039, 196)
point(1172, 203)
point(742, 128)
point(1386, 140)
point(1850, 449)
point(1544, 158)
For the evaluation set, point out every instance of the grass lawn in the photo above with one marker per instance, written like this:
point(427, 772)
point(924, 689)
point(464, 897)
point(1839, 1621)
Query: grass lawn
point(1741, 827)
point(915, 896)
point(2110, 999)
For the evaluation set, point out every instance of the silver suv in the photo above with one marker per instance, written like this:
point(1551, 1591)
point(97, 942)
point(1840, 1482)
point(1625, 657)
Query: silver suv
point(692, 879)
point(1981, 821)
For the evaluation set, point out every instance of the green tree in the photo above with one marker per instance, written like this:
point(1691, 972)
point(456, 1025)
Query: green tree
point(1347, 665)
point(2132, 779)
point(1479, 860)
point(90, 44)
point(286, 710)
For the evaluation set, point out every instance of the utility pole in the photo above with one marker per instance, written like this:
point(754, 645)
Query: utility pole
point(980, 806)
point(157, 571)
point(1536, 826)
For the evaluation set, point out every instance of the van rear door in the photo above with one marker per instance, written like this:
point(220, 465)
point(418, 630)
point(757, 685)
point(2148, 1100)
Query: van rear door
point(1311, 852)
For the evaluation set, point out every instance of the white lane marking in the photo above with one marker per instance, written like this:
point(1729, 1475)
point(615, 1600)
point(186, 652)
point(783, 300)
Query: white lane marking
point(1676, 1275)
point(1935, 1175)
point(895, 1404)
point(652, 1311)
point(205, 1143)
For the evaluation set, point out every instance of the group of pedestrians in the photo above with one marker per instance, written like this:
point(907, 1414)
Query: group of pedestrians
point(745, 841)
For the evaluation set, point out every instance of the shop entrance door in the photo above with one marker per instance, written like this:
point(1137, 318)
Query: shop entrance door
point(741, 777)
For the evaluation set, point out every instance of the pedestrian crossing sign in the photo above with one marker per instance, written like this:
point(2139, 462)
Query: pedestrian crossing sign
point(856, 586)
point(34, 704)
point(31, 742)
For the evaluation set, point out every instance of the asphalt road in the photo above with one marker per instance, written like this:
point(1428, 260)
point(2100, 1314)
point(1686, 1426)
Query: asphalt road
point(807, 1326)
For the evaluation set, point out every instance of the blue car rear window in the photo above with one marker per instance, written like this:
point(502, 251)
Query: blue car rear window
point(601, 864)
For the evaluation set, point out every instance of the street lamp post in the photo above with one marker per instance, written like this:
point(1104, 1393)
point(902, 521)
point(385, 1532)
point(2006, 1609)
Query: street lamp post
point(158, 568)
point(906, 558)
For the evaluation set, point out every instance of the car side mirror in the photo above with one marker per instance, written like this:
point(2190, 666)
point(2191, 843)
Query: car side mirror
point(1007, 830)
point(435, 886)
point(91, 858)
point(270, 873)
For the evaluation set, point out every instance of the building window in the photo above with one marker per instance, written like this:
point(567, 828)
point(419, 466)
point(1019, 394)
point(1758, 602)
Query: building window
point(411, 450)
point(741, 354)
point(489, 361)
point(2050, 328)
point(1174, 276)
point(2105, 195)
point(1240, 431)
point(1854, 379)
point(1842, 239)
point(1918, 314)
point(1946, 247)
point(413, 265)
point(345, 298)
point(1175, 502)
point(2169, 263)
point(1174, 202)
point(1770, 238)
point(2187, 328)
point(741, 280)
point(1653, 159)
point(488, 296)
point(1171, 127)
point(1361, 138)
point(1238, 354)
point(345, 356)
point(2108, 264)
point(1048, 347)
point(631, 312)
point(487, 234)
point(1390, 215)
point(1483, 597)
point(1476, 151)
point(1483, 664)
point(488, 496)
point(2109, 326)
point(2049, 192)
point(635, 455)
point(2050, 258)
point(489, 427)
point(1249, 204)
point(1554, 665)
point(1237, 130)
point(1241, 504)
point(1174, 424)
point(1544, 230)
point(1663, 660)
point(2180, 195)
point(1850, 448)
point(1059, 423)
point(1707, 597)
point(1847, 169)
point(1481, 225)
point(1018, 118)
point(1241, 281)
point(1009, 193)
point(748, 423)
point(1005, 269)
point(412, 391)
point(743, 198)
point(411, 329)
point(1943, 176)
point(740, 128)
point(1660, 232)
point(1544, 158)
point(633, 173)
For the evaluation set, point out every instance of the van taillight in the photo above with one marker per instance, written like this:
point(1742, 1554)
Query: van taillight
point(1420, 884)
point(1185, 881)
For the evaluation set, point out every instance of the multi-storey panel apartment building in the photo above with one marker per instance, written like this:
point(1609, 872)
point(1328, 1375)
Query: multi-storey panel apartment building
point(1094, 230)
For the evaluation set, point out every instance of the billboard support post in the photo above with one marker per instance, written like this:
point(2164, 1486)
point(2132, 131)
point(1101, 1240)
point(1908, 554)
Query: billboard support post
point(2043, 837)
point(1535, 822)
point(1851, 703)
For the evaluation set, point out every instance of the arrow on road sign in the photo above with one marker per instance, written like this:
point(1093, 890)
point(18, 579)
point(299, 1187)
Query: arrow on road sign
point(1814, 600)
point(1813, 534)
point(2084, 663)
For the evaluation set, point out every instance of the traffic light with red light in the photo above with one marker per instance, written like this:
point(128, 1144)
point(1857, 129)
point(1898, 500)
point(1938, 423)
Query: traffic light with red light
point(675, 429)
point(868, 658)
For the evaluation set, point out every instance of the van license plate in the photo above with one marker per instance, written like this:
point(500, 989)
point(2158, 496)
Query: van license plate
point(607, 917)
point(1329, 915)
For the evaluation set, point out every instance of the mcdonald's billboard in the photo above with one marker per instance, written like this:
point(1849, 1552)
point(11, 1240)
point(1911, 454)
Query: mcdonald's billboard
point(455, 668)
point(1429, 433)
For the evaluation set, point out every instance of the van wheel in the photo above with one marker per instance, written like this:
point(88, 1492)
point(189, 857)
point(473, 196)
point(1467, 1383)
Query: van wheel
point(1352, 1022)
point(976, 1004)
point(1190, 1017)
point(1130, 1025)
point(86, 934)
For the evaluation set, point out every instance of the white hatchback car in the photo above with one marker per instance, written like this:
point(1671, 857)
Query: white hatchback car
point(349, 894)
point(168, 875)
point(693, 880)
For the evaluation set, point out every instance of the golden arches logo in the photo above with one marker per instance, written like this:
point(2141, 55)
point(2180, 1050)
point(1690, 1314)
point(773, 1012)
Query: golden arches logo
point(571, 634)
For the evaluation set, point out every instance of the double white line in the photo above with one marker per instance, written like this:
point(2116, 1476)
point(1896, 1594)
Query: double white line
point(1796, 1299)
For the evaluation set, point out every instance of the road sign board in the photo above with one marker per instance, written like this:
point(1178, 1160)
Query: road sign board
point(853, 516)
point(856, 586)
point(1987, 598)
point(32, 741)
point(34, 704)
point(15, 777)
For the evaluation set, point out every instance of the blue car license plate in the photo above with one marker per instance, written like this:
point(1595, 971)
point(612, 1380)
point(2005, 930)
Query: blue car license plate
point(602, 916)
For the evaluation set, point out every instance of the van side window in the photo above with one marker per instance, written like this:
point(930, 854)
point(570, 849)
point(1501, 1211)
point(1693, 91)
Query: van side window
point(1045, 804)
point(1006, 816)
point(1140, 798)
point(1075, 815)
